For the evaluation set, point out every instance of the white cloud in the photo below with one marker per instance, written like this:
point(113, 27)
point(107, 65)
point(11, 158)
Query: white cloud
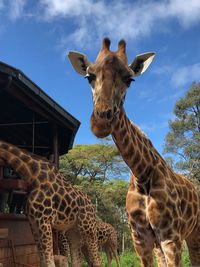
point(185, 75)
point(93, 19)
point(16, 9)
point(118, 19)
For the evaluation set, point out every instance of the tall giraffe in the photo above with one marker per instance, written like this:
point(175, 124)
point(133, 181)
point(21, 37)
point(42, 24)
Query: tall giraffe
point(107, 240)
point(54, 203)
point(162, 206)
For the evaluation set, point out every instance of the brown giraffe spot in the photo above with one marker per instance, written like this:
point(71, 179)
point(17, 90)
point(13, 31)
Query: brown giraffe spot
point(126, 140)
point(160, 206)
point(166, 220)
point(160, 195)
point(117, 125)
point(25, 158)
point(42, 176)
point(62, 205)
point(67, 211)
point(82, 216)
point(47, 211)
point(61, 216)
point(56, 200)
point(15, 162)
point(45, 187)
point(68, 199)
point(47, 202)
point(137, 155)
point(40, 196)
point(49, 192)
point(73, 204)
point(51, 177)
point(55, 187)
point(190, 196)
point(183, 205)
point(157, 183)
point(15, 151)
point(189, 211)
point(146, 154)
point(195, 197)
point(34, 168)
point(44, 166)
point(122, 133)
point(122, 124)
point(138, 215)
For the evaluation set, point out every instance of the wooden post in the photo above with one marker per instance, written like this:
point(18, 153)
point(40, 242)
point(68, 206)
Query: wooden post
point(123, 243)
point(56, 145)
point(56, 161)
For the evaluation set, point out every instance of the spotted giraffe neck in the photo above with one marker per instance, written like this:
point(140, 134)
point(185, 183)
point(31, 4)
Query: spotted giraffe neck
point(27, 165)
point(136, 149)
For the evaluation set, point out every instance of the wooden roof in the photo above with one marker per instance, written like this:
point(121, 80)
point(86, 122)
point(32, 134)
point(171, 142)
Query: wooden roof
point(29, 117)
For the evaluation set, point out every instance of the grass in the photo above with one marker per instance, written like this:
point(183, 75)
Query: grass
point(129, 259)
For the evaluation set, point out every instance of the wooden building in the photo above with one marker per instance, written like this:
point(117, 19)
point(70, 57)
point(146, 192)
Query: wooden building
point(32, 120)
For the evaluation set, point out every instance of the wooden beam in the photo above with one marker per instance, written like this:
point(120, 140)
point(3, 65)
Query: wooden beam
point(56, 145)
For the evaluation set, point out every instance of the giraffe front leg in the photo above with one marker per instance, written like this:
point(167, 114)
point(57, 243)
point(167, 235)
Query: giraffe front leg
point(108, 252)
point(143, 251)
point(114, 249)
point(160, 257)
point(43, 237)
point(193, 243)
point(63, 244)
point(92, 248)
point(74, 240)
point(172, 251)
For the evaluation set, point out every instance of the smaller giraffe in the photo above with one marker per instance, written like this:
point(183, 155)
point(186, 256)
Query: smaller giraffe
point(61, 261)
point(107, 240)
point(53, 203)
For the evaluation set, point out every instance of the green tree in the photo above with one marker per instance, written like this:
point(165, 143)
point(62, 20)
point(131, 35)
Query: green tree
point(99, 170)
point(93, 162)
point(109, 197)
point(183, 139)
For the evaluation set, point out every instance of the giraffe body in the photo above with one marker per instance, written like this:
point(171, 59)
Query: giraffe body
point(107, 240)
point(163, 207)
point(53, 203)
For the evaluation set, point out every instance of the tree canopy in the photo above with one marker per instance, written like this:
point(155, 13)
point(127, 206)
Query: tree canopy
point(183, 139)
point(99, 171)
point(93, 162)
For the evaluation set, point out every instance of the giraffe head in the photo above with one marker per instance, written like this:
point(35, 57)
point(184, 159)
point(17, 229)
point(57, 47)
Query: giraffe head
point(109, 76)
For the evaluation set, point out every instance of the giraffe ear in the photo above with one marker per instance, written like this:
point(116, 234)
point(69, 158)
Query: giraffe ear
point(79, 62)
point(141, 63)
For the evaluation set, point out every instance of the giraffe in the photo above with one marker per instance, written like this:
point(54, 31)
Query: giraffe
point(53, 203)
point(162, 206)
point(107, 239)
point(61, 261)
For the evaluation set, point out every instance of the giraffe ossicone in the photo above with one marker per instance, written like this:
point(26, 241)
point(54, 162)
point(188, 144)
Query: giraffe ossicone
point(163, 207)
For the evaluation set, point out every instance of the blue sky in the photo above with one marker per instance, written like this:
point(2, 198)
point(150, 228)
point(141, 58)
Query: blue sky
point(36, 35)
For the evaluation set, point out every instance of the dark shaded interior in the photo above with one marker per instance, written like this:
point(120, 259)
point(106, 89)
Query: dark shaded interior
point(29, 118)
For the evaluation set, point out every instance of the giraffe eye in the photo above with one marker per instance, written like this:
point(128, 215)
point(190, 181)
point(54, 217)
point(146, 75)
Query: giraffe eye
point(90, 77)
point(127, 80)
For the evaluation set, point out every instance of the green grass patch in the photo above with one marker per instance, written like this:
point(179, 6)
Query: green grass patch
point(129, 259)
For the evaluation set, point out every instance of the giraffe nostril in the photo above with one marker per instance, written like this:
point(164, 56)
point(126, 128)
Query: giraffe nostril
point(109, 114)
point(115, 109)
point(104, 114)
point(101, 114)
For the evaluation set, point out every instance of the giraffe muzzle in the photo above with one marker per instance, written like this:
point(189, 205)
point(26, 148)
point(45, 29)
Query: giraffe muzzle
point(106, 115)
